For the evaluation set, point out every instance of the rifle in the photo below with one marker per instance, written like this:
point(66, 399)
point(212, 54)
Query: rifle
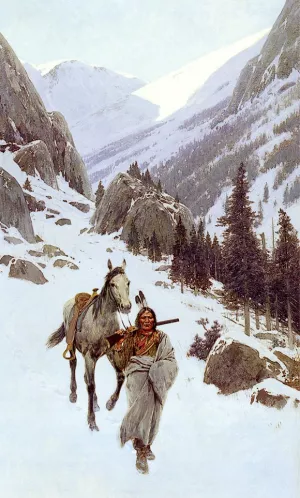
point(114, 338)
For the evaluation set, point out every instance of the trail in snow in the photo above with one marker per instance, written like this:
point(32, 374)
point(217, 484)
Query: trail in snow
point(208, 445)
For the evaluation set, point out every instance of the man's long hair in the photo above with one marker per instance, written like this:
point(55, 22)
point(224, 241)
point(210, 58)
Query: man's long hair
point(137, 320)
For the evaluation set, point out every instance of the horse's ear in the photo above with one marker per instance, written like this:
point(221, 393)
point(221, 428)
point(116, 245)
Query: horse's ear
point(109, 264)
point(124, 264)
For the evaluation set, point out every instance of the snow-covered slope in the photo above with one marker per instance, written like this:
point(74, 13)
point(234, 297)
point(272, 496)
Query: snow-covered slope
point(198, 88)
point(221, 442)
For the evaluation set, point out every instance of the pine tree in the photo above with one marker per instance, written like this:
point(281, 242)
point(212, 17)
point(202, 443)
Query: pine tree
point(27, 185)
point(266, 193)
point(159, 187)
point(179, 251)
point(147, 179)
point(244, 273)
point(154, 251)
point(217, 262)
point(190, 262)
point(286, 195)
point(177, 198)
point(202, 270)
point(133, 239)
point(134, 170)
point(286, 274)
point(99, 193)
point(208, 253)
point(259, 216)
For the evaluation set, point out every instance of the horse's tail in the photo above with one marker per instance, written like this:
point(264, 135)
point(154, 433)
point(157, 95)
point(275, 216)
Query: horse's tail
point(56, 337)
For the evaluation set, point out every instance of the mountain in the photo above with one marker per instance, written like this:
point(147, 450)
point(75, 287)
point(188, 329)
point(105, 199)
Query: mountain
point(97, 103)
point(25, 121)
point(202, 92)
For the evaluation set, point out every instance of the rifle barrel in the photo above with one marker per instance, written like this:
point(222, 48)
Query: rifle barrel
point(165, 322)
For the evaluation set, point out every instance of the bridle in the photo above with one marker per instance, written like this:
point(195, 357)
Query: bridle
point(117, 306)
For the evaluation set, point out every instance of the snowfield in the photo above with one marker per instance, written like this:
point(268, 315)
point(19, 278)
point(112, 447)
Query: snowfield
point(208, 445)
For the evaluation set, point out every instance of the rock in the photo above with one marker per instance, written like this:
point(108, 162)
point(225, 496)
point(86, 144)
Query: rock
point(159, 283)
point(83, 230)
point(13, 240)
point(48, 216)
point(24, 119)
point(116, 237)
point(61, 263)
point(42, 265)
point(268, 336)
point(36, 157)
point(108, 249)
point(82, 207)
point(65, 200)
point(38, 239)
point(53, 211)
point(37, 254)
point(116, 202)
point(48, 196)
point(33, 204)
point(52, 251)
point(269, 399)
point(63, 221)
point(163, 268)
point(25, 270)
point(233, 365)
point(91, 230)
point(14, 211)
point(12, 147)
point(292, 377)
point(5, 260)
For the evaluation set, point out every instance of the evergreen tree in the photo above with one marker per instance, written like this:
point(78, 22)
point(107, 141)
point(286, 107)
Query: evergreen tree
point(259, 216)
point(244, 272)
point(286, 195)
point(27, 185)
point(159, 187)
point(179, 251)
point(154, 251)
point(217, 262)
point(133, 239)
point(208, 253)
point(134, 170)
point(147, 179)
point(266, 193)
point(202, 270)
point(177, 198)
point(190, 262)
point(286, 274)
point(99, 193)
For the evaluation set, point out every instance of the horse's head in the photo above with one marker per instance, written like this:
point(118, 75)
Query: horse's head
point(119, 284)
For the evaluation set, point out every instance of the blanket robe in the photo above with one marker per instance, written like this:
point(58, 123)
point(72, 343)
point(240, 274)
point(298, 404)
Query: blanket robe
point(148, 380)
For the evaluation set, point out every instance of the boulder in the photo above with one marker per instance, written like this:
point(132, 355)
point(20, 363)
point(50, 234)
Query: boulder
point(33, 204)
point(36, 254)
point(111, 212)
point(63, 221)
point(163, 268)
point(42, 265)
point(151, 213)
point(13, 240)
point(82, 231)
point(52, 251)
point(61, 263)
point(108, 249)
point(53, 211)
point(292, 377)
point(48, 216)
point(38, 239)
point(236, 363)
point(274, 394)
point(6, 259)
point(80, 206)
point(35, 157)
point(25, 270)
point(14, 211)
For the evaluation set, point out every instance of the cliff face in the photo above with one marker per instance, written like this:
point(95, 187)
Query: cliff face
point(24, 119)
point(278, 57)
point(127, 200)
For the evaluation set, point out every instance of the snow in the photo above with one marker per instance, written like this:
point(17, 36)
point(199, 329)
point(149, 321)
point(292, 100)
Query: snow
point(208, 445)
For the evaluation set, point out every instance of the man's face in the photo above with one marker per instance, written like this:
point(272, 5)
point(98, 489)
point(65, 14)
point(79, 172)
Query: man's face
point(147, 321)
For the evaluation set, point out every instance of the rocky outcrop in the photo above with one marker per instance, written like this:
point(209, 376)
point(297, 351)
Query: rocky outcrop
point(52, 251)
point(25, 270)
point(13, 208)
point(274, 394)
point(233, 365)
point(63, 221)
point(111, 213)
point(35, 157)
point(80, 206)
point(33, 204)
point(24, 119)
point(61, 263)
point(127, 200)
point(278, 57)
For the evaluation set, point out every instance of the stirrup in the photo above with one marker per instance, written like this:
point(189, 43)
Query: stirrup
point(69, 349)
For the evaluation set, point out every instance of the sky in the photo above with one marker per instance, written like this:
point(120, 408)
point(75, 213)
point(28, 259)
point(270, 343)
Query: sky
point(145, 38)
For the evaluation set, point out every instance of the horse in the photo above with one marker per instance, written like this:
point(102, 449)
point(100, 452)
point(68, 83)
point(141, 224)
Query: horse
point(99, 321)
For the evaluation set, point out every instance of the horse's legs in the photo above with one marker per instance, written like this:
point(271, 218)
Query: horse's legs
point(89, 378)
point(115, 396)
point(73, 385)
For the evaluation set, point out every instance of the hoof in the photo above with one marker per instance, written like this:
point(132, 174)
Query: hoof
point(111, 402)
point(93, 426)
point(73, 397)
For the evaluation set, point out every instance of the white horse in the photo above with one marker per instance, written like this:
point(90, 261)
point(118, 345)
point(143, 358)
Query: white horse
point(99, 321)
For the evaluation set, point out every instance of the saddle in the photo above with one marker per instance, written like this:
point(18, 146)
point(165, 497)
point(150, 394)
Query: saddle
point(83, 301)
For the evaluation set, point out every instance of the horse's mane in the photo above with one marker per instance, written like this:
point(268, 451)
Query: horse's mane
point(97, 306)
